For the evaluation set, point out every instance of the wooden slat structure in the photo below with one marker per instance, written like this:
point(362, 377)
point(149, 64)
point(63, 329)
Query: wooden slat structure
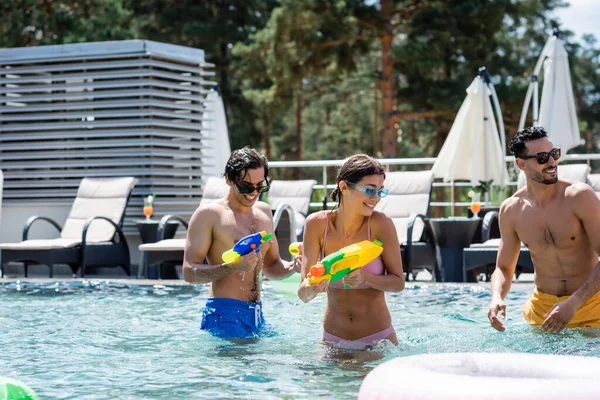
point(129, 108)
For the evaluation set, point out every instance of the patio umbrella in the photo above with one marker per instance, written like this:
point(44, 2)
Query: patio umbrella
point(214, 127)
point(474, 150)
point(556, 113)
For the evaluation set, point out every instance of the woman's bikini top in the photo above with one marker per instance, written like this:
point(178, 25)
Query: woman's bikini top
point(375, 267)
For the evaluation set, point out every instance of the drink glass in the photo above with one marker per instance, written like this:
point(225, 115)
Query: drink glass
point(148, 207)
point(476, 204)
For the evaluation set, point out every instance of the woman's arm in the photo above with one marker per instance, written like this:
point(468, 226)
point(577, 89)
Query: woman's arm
point(315, 225)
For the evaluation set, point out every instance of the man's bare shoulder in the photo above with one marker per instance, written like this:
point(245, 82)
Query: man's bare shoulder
point(264, 207)
point(208, 212)
point(513, 204)
point(576, 190)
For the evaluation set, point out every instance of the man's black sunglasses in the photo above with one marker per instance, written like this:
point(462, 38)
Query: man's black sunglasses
point(250, 189)
point(544, 156)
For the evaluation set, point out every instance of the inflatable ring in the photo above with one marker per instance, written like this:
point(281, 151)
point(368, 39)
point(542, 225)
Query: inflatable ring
point(12, 389)
point(471, 376)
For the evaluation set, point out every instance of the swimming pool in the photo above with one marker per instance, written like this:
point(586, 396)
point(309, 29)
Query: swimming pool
point(97, 340)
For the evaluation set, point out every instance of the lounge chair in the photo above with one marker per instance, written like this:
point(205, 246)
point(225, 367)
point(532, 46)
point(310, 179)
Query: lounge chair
point(91, 236)
point(171, 250)
point(483, 255)
point(594, 181)
point(293, 194)
point(407, 204)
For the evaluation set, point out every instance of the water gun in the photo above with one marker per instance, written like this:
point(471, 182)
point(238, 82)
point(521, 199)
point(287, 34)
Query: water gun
point(339, 264)
point(245, 246)
point(294, 248)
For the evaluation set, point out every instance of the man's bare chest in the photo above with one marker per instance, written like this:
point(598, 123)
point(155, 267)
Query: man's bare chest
point(233, 227)
point(549, 229)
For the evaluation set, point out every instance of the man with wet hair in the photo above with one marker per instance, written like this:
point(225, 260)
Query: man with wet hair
point(559, 222)
point(234, 309)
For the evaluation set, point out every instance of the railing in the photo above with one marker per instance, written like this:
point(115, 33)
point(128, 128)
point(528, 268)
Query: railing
point(326, 187)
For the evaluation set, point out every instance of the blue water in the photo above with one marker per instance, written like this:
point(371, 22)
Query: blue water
point(99, 340)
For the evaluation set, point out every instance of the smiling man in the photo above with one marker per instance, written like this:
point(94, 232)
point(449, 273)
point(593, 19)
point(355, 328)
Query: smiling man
point(559, 221)
point(234, 309)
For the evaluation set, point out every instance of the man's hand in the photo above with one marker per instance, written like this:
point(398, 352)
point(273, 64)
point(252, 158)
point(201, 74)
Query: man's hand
point(354, 278)
point(297, 263)
point(558, 316)
point(497, 307)
point(246, 263)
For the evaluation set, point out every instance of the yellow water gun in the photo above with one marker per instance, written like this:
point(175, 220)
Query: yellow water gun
point(339, 264)
point(294, 248)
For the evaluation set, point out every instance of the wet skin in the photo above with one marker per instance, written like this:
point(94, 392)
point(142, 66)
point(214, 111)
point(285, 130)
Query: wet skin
point(559, 222)
point(354, 314)
point(217, 227)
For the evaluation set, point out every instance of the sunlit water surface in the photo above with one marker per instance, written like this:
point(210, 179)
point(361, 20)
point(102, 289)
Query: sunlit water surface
point(98, 340)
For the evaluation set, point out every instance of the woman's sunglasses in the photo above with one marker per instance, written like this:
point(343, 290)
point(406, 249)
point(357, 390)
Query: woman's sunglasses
point(369, 191)
point(249, 189)
point(544, 156)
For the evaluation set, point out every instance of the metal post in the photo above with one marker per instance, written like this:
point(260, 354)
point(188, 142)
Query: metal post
point(452, 198)
point(324, 188)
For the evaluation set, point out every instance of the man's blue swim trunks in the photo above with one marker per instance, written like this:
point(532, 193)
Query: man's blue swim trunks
point(232, 319)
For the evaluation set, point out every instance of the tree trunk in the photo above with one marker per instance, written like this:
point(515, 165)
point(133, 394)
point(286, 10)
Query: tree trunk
point(267, 135)
point(298, 128)
point(387, 87)
point(375, 114)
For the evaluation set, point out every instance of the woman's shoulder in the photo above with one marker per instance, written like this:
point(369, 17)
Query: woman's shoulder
point(380, 218)
point(317, 218)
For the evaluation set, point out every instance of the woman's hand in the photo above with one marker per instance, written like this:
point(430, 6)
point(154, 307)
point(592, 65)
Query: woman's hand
point(354, 278)
point(308, 292)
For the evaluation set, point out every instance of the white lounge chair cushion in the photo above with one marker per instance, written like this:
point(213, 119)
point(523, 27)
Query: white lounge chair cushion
point(594, 182)
point(294, 193)
point(214, 189)
point(409, 194)
point(492, 243)
point(41, 244)
point(488, 243)
point(164, 245)
point(106, 197)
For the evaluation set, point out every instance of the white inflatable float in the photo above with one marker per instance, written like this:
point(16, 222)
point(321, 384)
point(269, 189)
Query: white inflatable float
point(478, 376)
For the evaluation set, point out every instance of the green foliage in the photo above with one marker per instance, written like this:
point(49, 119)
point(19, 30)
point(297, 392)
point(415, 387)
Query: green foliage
point(34, 22)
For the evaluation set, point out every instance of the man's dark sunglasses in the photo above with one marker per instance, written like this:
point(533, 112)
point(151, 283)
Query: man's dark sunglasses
point(544, 156)
point(249, 189)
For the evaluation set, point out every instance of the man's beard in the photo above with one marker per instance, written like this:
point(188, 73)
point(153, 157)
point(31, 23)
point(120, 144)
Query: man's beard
point(539, 177)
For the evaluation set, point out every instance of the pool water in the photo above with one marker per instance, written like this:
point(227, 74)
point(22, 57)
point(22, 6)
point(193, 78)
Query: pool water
point(98, 340)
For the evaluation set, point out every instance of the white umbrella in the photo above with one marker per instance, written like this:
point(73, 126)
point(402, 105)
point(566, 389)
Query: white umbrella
point(556, 112)
point(474, 150)
point(214, 126)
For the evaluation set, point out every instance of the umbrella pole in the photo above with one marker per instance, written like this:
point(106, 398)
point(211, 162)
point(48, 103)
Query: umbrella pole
point(452, 198)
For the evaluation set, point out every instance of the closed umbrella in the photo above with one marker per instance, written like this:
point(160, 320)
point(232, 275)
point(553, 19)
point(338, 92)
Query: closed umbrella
point(556, 112)
point(474, 150)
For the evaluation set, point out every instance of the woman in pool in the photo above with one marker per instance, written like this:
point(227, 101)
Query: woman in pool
point(357, 317)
